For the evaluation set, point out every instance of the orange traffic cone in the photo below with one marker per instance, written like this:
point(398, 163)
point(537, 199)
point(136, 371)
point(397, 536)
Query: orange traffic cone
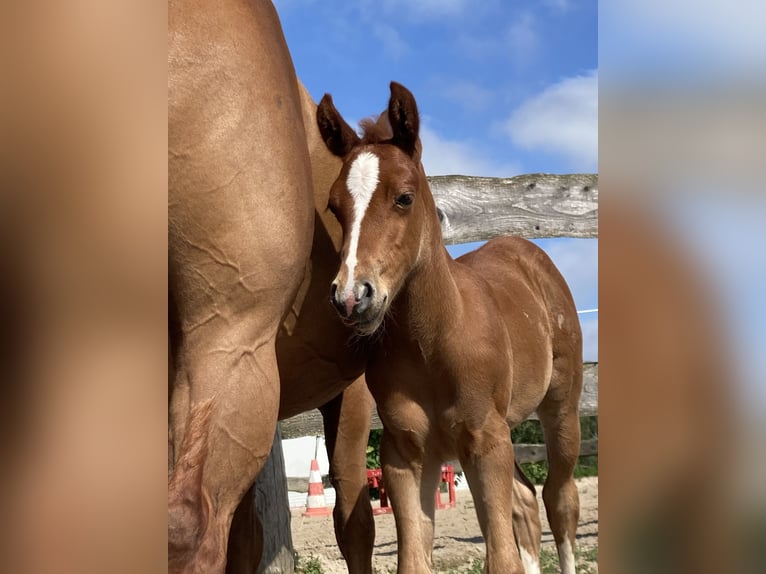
point(315, 503)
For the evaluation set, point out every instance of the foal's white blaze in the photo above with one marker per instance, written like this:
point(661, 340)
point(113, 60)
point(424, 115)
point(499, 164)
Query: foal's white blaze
point(362, 182)
point(566, 557)
point(530, 563)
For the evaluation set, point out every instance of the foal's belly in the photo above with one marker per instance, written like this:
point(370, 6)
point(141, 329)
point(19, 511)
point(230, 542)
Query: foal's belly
point(531, 382)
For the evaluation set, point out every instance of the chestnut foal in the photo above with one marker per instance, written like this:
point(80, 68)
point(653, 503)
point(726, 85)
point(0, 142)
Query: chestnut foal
point(464, 349)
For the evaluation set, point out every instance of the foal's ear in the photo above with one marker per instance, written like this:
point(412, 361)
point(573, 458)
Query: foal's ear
point(336, 133)
point(404, 119)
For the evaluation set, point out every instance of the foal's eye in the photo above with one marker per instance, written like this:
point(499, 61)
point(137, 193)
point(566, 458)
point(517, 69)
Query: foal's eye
point(404, 200)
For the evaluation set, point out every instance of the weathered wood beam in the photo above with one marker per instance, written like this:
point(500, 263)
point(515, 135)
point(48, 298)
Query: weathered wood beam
point(267, 499)
point(536, 452)
point(532, 206)
point(273, 510)
point(310, 422)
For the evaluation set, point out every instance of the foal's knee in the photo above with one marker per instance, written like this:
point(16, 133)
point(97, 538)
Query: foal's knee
point(478, 442)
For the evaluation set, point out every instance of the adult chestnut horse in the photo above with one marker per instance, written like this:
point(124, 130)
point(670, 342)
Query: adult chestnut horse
point(464, 350)
point(251, 251)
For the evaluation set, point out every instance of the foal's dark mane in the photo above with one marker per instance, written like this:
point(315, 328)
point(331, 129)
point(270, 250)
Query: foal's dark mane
point(376, 129)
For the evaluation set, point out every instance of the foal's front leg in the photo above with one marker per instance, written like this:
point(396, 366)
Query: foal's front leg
point(486, 455)
point(347, 421)
point(411, 479)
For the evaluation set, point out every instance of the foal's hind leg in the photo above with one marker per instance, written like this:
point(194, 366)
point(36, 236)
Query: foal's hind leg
point(526, 522)
point(559, 416)
point(347, 420)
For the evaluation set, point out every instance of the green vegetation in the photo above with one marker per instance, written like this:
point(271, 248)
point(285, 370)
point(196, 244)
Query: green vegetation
point(312, 565)
point(476, 567)
point(586, 466)
point(373, 448)
point(586, 560)
point(531, 432)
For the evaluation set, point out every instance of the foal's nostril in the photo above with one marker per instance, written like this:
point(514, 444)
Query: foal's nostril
point(367, 292)
point(364, 299)
point(333, 290)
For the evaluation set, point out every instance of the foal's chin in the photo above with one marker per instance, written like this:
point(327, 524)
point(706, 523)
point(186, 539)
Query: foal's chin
point(369, 324)
point(368, 329)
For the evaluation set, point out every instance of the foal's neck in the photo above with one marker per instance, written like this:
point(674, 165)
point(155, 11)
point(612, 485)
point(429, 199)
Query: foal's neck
point(430, 300)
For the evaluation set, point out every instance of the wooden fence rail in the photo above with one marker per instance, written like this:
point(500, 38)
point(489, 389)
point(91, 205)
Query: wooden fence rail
point(532, 206)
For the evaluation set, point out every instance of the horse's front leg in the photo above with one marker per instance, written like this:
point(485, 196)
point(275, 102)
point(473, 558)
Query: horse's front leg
point(486, 455)
point(347, 421)
point(233, 389)
point(403, 474)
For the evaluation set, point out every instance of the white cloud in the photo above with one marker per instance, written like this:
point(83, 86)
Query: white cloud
point(520, 43)
point(392, 42)
point(559, 6)
point(467, 94)
point(426, 8)
point(419, 9)
point(449, 157)
point(563, 120)
point(522, 38)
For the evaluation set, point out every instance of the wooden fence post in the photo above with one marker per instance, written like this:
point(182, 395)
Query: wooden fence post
point(269, 497)
point(273, 509)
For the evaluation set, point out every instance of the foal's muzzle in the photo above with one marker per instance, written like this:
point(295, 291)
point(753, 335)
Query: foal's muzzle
point(352, 303)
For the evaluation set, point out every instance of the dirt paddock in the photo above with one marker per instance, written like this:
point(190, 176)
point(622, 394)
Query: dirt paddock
point(458, 541)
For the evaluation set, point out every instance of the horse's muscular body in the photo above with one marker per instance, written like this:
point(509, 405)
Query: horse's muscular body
point(251, 249)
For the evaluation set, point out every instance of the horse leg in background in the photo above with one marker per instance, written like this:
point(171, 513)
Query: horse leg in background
point(223, 456)
point(561, 426)
point(527, 529)
point(245, 546)
point(347, 420)
point(487, 458)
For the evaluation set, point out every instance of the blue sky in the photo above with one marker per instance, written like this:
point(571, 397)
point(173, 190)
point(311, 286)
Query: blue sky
point(503, 88)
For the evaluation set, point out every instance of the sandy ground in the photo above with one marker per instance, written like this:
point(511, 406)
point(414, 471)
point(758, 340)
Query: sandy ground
point(458, 539)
